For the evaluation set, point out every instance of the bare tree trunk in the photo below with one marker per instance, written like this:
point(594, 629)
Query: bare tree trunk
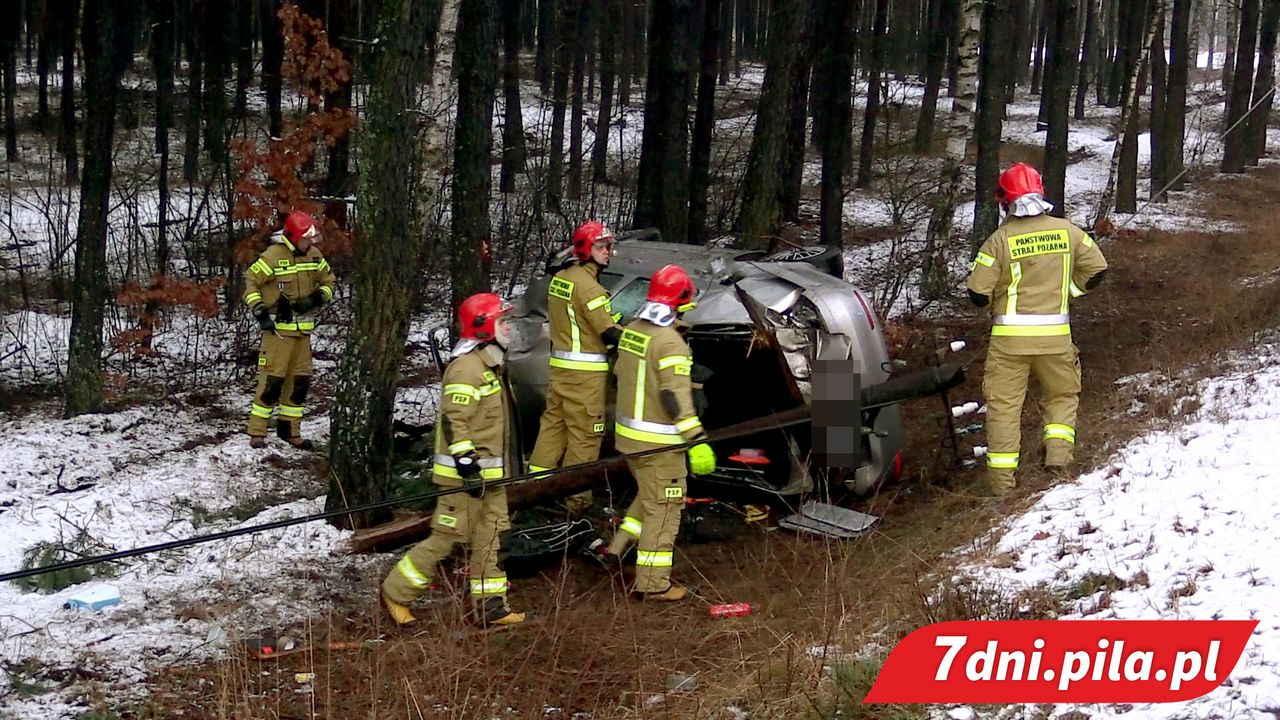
point(1263, 84)
point(1159, 89)
point(704, 123)
point(1181, 54)
point(662, 192)
point(69, 11)
point(1230, 18)
point(1128, 122)
point(1058, 94)
point(993, 64)
point(610, 31)
point(477, 80)
point(195, 73)
point(1235, 144)
point(724, 44)
point(835, 64)
point(162, 39)
point(108, 49)
point(797, 112)
point(623, 69)
point(44, 57)
point(513, 150)
point(936, 58)
point(386, 273)
point(338, 179)
point(10, 29)
point(866, 153)
point(243, 48)
point(1088, 56)
point(563, 57)
point(933, 272)
point(578, 49)
point(953, 17)
point(215, 48)
point(1138, 42)
point(272, 57)
point(761, 214)
point(1213, 30)
point(1041, 27)
point(547, 38)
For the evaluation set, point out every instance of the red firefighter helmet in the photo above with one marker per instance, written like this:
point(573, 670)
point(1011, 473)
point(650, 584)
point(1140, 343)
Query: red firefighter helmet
point(586, 236)
point(1020, 179)
point(298, 225)
point(479, 314)
point(672, 287)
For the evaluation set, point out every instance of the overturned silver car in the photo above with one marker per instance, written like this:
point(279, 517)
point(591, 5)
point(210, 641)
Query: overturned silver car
point(761, 324)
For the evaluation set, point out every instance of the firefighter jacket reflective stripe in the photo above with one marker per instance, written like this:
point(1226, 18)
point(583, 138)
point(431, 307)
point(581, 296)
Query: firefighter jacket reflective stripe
point(281, 271)
point(580, 311)
point(653, 359)
point(474, 415)
point(1031, 268)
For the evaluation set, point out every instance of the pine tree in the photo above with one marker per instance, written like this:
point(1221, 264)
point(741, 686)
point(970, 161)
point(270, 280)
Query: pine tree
point(386, 273)
point(760, 217)
point(662, 193)
point(477, 53)
point(108, 50)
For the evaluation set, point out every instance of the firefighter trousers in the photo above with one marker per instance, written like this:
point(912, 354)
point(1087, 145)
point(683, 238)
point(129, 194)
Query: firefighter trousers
point(284, 379)
point(572, 426)
point(653, 519)
point(1004, 386)
point(458, 519)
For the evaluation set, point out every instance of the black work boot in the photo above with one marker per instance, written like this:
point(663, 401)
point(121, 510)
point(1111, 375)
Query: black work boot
point(257, 442)
point(493, 611)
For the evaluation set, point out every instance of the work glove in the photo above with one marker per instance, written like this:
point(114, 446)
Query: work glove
point(468, 467)
point(702, 459)
point(310, 302)
point(264, 319)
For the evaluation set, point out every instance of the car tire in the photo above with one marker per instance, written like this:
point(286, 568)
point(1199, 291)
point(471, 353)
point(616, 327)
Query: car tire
point(823, 257)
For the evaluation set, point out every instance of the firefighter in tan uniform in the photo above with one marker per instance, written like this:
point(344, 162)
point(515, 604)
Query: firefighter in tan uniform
point(472, 441)
point(655, 409)
point(583, 329)
point(1028, 271)
point(292, 280)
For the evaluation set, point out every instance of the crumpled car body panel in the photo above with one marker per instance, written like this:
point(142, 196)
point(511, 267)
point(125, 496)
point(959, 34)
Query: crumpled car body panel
point(808, 313)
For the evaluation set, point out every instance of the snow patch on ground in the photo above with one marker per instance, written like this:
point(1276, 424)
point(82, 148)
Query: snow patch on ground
point(1185, 518)
point(144, 476)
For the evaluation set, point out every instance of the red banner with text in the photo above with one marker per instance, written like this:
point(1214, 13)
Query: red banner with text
point(1061, 661)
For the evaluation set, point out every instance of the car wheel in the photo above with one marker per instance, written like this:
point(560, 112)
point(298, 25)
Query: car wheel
point(823, 257)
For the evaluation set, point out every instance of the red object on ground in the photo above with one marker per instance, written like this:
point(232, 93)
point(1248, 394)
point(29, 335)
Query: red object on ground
point(731, 610)
point(750, 456)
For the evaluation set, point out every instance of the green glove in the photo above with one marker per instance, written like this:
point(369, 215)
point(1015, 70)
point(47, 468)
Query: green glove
point(702, 459)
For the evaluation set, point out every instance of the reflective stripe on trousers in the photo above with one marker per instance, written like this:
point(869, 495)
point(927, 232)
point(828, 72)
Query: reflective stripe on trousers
point(489, 586)
point(1002, 460)
point(1058, 431)
point(654, 558)
point(411, 573)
